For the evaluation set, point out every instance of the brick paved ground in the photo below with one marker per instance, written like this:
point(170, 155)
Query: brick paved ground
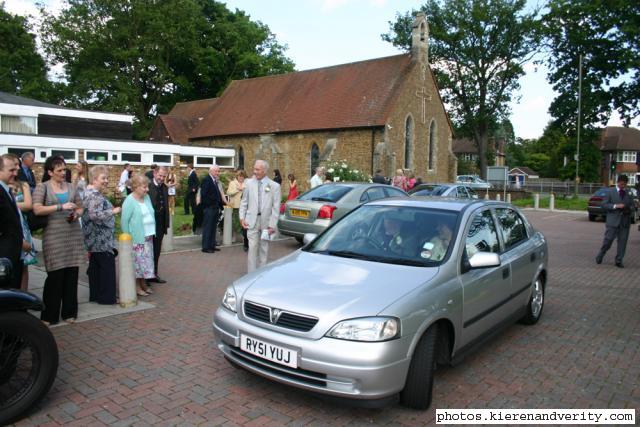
point(159, 365)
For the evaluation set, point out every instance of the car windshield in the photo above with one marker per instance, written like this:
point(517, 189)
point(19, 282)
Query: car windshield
point(326, 193)
point(412, 236)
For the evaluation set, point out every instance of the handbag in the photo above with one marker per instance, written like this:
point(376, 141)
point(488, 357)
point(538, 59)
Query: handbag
point(38, 222)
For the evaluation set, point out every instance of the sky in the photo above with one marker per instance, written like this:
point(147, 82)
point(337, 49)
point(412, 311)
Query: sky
point(322, 33)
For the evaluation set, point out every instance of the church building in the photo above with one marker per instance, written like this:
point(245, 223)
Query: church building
point(383, 113)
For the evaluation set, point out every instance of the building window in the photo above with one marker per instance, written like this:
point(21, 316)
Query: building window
point(469, 157)
point(225, 162)
point(162, 158)
point(19, 124)
point(432, 143)
point(204, 161)
point(96, 156)
point(315, 158)
point(240, 158)
point(408, 142)
point(67, 155)
point(627, 156)
point(131, 157)
point(19, 151)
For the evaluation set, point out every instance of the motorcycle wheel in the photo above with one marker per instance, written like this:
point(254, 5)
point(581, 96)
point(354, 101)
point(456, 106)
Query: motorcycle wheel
point(28, 363)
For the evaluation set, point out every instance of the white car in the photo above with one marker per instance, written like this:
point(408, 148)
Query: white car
point(473, 181)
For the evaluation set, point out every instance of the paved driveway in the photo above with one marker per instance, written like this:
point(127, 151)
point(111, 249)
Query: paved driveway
point(159, 365)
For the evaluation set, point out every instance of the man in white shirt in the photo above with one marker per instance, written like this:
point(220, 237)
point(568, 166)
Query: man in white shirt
point(259, 209)
point(318, 178)
point(124, 177)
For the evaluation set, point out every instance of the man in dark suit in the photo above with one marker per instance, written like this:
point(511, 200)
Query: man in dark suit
point(151, 172)
point(620, 208)
point(212, 201)
point(11, 226)
point(378, 178)
point(190, 196)
point(25, 173)
point(159, 194)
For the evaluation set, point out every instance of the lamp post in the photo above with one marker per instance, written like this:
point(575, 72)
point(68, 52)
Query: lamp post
point(579, 105)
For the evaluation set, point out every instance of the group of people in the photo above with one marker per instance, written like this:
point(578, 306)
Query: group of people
point(402, 180)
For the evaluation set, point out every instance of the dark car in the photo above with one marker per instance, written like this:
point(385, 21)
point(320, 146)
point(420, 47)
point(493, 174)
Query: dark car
point(595, 203)
point(444, 190)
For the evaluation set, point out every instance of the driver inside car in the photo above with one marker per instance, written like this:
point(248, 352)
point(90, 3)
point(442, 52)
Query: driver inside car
point(396, 236)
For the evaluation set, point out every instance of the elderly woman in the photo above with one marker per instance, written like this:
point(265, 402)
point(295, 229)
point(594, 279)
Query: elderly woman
point(400, 180)
point(234, 191)
point(61, 242)
point(98, 225)
point(138, 220)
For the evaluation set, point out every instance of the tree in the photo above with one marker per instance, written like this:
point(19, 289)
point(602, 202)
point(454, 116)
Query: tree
point(22, 69)
point(605, 33)
point(477, 51)
point(143, 56)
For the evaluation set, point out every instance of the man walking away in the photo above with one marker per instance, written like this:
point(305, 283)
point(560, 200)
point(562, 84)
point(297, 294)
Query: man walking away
point(212, 202)
point(193, 184)
point(619, 206)
point(159, 194)
point(378, 178)
point(318, 178)
point(259, 209)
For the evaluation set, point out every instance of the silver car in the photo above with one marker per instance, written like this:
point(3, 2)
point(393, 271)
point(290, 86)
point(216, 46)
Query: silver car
point(444, 190)
point(319, 207)
point(473, 181)
point(367, 309)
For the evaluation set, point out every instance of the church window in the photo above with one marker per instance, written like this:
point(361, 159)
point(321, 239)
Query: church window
point(240, 158)
point(432, 142)
point(315, 158)
point(408, 142)
point(422, 32)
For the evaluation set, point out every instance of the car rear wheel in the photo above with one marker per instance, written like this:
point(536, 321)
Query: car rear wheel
point(418, 388)
point(536, 303)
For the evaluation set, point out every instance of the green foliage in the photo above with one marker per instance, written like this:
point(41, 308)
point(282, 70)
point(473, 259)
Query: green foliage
point(477, 51)
point(606, 34)
point(467, 167)
point(539, 162)
point(340, 171)
point(142, 56)
point(22, 69)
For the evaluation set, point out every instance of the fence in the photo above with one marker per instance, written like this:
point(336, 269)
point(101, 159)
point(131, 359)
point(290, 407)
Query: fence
point(556, 187)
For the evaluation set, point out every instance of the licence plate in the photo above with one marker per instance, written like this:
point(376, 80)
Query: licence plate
point(299, 213)
point(268, 351)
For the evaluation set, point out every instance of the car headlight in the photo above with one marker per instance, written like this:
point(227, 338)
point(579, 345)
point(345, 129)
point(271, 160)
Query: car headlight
point(369, 329)
point(229, 299)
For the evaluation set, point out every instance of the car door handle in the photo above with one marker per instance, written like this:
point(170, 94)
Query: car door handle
point(505, 273)
point(533, 257)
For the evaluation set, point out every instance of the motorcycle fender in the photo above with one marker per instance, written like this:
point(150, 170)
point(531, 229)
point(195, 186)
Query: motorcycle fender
point(14, 300)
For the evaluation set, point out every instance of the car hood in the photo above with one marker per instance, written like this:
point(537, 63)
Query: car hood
point(331, 288)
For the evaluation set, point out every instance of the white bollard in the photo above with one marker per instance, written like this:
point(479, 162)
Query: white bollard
point(498, 196)
point(227, 227)
point(536, 201)
point(486, 196)
point(508, 197)
point(167, 242)
point(127, 277)
point(552, 201)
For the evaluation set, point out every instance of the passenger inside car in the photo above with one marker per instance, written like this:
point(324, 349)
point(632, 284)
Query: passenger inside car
point(436, 248)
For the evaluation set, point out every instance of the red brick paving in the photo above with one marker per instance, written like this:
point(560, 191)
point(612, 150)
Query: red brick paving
point(160, 367)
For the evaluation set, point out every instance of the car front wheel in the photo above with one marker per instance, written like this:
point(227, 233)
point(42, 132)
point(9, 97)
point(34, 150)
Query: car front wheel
point(536, 303)
point(418, 388)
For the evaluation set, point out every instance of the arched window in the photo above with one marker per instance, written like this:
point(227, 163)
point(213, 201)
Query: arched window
point(432, 142)
point(240, 158)
point(408, 142)
point(315, 158)
point(422, 32)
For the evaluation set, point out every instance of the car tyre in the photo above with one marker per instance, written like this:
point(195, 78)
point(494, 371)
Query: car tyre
point(592, 217)
point(299, 239)
point(536, 303)
point(418, 388)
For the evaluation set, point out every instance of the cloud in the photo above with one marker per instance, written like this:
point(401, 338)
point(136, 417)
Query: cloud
point(21, 7)
point(331, 5)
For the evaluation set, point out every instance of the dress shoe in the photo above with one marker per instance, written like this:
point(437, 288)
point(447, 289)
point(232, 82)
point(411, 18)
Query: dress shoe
point(619, 265)
point(157, 279)
point(598, 260)
point(246, 249)
point(216, 249)
point(208, 251)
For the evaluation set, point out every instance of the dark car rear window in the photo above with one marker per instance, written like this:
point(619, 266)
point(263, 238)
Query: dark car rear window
point(326, 193)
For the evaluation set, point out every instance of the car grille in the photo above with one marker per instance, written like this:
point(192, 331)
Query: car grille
point(300, 375)
point(288, 320)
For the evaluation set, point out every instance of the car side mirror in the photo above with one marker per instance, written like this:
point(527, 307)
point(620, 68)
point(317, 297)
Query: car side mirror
point(484, 260)
point(308, 238)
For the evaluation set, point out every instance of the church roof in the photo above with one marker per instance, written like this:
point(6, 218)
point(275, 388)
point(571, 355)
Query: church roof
point(358, 94)
point(184, 116)
point(614, 138)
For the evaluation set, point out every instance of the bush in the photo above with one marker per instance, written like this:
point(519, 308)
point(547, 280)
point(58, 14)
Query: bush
point(340, 171)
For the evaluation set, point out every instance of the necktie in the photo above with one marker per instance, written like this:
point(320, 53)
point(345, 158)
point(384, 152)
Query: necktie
point(259, 196)
point(621, 192)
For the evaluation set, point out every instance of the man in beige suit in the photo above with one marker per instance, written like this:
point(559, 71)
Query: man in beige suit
point(259, 209)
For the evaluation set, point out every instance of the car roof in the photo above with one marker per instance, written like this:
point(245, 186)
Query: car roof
point(444, 203)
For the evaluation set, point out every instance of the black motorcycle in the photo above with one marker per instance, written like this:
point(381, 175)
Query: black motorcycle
point(28, 351)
